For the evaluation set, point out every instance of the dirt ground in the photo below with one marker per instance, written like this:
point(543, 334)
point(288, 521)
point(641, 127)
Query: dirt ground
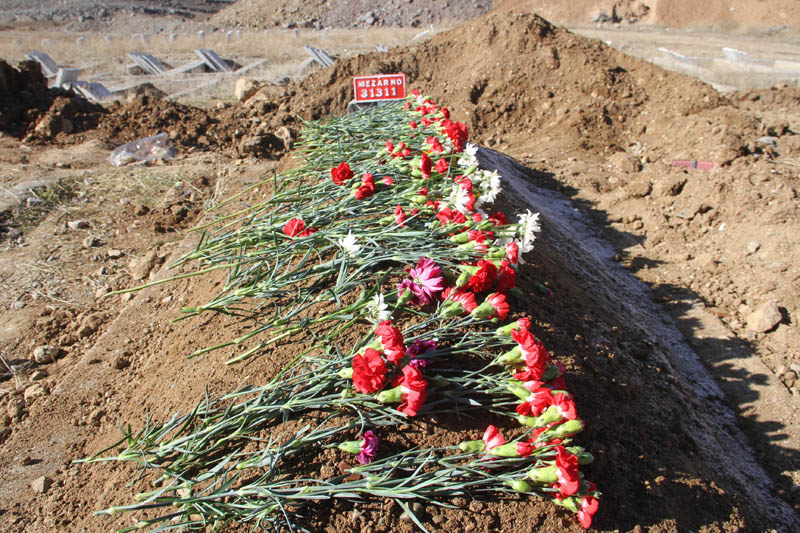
point(717, 250)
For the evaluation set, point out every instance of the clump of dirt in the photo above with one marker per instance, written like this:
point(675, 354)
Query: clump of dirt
point(29, 108)
point(32, 111)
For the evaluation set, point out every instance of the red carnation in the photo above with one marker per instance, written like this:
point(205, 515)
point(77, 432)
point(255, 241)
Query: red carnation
point(367, 187)
point(294, 227)
point(498, 219)
point(506, 277)
point(441, 166)
point(449, 215)
point(565, 406)
point(400, 216)
point(341, 174)
point(536, 357)
point(512, 252)
point(588, 508)
point(483, 279)
point(369, 371)
point(537, 403)
point(425, 165)
point(435, 145)
point(391, 341)
point(567, 468)
point(499, 304)
point(414, 390)
point(457, 132)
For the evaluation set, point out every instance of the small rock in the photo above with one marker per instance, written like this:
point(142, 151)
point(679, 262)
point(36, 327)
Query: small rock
point(78, 224)
point(437, 519)
point(90, 242)
point(15, 408)
point(141, 267)
point(765, 318)
point(625, 162)
point(41, 484)
point(113, 253)
point(639, 188)
point(121, 362)
point(46, 354)
point(96, 416)
point(244, 89)
point(28, 460)
point(84, 331)
point(752, 247)
point(671, 186)
point(38, 375)
point(34, 392)
point(126, 297)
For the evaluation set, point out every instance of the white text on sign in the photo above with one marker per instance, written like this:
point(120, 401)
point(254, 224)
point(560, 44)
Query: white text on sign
point(379, 87)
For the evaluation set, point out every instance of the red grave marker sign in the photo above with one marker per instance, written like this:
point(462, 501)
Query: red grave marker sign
point(379, 87)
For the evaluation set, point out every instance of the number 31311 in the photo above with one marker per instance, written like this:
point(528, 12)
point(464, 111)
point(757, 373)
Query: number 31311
point(378, 92)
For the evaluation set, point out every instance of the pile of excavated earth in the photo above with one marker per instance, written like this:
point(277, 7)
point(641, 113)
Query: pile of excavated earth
point(674, 450)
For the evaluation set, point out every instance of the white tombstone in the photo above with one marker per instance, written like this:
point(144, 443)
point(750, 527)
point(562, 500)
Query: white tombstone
point(325, 33)
point(109, 38)
point(296, 33)
point(228, 35)
point(201, 34)
point(173, 36)
point(66, 77)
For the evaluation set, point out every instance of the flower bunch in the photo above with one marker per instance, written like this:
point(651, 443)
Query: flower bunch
point(416, 266)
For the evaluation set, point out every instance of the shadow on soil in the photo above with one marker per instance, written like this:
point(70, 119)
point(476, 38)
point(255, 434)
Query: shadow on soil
point(718, 354)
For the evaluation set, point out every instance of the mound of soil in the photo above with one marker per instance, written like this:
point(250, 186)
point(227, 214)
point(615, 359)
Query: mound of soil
point(193, 128)
point(606, 128)
point(29, 108)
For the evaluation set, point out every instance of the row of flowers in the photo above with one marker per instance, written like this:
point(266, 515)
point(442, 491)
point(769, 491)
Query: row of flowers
point(545, 406)
point(409, 180)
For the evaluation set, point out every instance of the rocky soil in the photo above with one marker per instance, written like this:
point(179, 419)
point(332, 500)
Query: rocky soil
point(718, 249)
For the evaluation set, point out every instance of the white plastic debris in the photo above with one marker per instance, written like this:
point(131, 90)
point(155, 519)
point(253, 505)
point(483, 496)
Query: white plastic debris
point(143, 150)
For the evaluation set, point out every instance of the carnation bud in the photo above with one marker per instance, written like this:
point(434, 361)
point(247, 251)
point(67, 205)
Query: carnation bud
point(584, 457)
point(520, 485)
point(572, 503)
point(561, 431)
point(508, 449)
point(346, 373)
point(460, 238)
point(394, 395)
point(515, 388)
point(550, 416)
point(511, 357)
point(350, 446)
point(472, 446)
point(545, 474)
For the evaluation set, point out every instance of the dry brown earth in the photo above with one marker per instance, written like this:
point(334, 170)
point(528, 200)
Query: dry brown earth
point(717, 248)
